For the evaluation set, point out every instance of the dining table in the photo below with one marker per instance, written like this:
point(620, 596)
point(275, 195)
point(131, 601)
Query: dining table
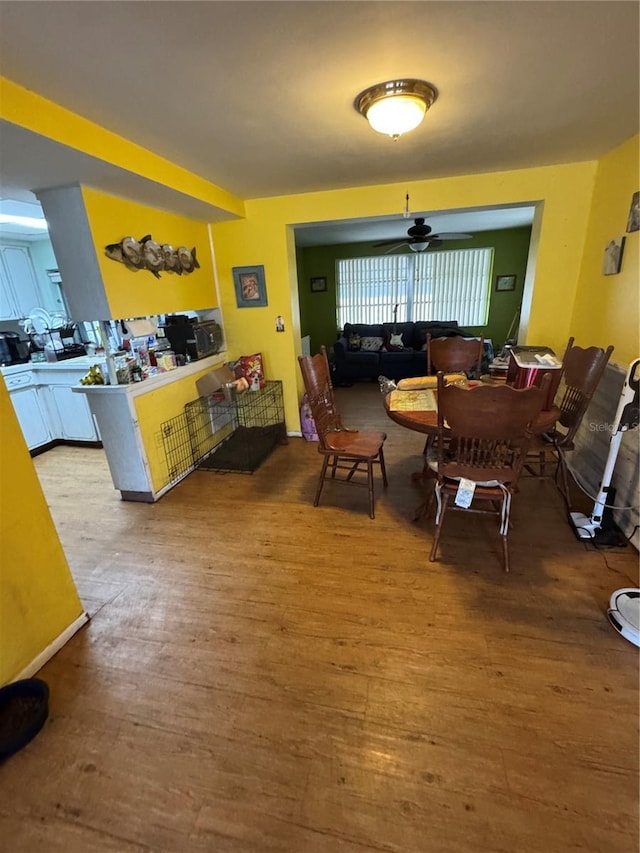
point(425, 420)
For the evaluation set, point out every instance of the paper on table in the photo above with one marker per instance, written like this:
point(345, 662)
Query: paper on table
point(413, 401)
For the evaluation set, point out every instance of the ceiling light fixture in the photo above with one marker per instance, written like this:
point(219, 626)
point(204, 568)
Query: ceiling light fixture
point(397, 106)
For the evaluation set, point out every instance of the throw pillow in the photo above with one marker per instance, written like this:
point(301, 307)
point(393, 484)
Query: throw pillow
point(372, 344)
point(354, 343)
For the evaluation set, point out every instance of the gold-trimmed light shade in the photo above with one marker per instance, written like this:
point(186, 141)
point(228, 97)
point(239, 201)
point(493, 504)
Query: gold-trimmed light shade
point(397, 106)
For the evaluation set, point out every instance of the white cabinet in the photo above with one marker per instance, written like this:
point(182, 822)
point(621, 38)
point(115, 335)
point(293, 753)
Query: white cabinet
point(8, 302)
point(75, 419)
point(18, 283)
point(46, 406)
point(32, 416)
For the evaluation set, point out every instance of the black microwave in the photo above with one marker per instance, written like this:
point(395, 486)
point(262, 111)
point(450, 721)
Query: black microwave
point(194, 338)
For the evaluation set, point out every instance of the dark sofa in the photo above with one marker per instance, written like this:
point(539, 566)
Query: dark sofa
point(355, 361)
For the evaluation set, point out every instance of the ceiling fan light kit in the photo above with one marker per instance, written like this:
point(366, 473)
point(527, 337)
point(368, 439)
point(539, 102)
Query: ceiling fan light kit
point(397, 106)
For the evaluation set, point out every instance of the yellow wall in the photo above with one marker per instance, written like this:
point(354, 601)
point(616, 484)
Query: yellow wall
point(606, 308)
point(38, 599)
point(263, 238)
point(153, 410)
point(138, 293)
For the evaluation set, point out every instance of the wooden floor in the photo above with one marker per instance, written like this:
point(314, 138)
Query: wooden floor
point(259, 675)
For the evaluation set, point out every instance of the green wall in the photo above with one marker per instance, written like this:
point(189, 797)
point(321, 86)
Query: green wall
point(318, 310)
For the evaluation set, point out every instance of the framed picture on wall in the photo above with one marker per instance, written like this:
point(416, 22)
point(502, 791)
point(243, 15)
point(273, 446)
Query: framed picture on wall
point(505, 282)
point(319, 284)
point(612, 260)
point(251, 288)
point(633, 221)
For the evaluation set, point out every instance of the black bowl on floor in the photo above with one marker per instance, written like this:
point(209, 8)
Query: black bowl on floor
point(24, 707)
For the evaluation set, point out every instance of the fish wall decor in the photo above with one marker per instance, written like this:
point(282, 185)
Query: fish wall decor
point(147, 254)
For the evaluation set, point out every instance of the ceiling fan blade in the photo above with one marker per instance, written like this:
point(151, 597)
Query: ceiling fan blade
point(394, 247)
point(389, 243)
point(450, 235)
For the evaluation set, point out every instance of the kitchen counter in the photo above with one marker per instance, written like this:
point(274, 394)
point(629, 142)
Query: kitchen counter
point(143, 428)
point(47, 366)
point(135, 389)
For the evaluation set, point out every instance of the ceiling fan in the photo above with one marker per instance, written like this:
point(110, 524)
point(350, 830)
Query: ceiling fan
point(420, 236)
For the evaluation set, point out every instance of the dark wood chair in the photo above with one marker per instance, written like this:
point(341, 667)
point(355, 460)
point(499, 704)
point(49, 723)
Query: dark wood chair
point(582, 369)
point(454, 355)
point(343, 449)
point(488, 436)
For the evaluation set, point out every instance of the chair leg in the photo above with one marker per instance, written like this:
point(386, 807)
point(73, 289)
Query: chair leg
point(442, 508)
point(383, 469)
point(323, 471)
point(425, 452)
point(504, 526)
point(505, 551)
point(334, 465)
point(371, 495)
point(564, 476)
point(423, 510)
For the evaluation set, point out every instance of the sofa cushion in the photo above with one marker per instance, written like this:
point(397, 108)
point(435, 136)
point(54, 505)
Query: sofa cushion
point(371, 344)
point(365, 330)
point(354, 343)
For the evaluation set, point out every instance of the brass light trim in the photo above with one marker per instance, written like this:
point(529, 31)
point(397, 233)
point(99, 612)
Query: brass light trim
point(393, 88)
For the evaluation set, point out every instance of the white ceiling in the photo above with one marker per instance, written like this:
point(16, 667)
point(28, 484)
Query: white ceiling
point(257, 97)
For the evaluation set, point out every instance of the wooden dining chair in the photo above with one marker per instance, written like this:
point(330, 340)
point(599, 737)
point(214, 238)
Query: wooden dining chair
point(488, 434)
point(454, 355)
point(343, 449)
point(582, 369)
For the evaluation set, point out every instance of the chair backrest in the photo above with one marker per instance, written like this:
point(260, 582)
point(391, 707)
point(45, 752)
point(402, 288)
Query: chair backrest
point(582, 369)
point(488, 429)
point(454, 355)
point(317, 382)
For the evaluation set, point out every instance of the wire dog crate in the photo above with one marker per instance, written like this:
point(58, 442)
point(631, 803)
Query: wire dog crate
point(239, 435)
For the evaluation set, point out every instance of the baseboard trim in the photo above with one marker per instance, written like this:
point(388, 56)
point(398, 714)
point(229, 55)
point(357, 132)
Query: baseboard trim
point(56, 442)
point(45, 656)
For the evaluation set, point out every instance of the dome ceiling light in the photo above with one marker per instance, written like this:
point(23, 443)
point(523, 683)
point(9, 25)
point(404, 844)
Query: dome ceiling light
point(397, 106)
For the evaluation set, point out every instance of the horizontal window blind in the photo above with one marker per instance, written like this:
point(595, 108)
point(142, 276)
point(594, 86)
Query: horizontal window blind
point(451, 285)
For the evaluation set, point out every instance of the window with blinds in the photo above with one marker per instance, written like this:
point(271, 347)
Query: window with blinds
point(452, 285)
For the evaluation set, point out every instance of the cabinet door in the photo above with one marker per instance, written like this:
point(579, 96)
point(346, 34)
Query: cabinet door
point(75, 417)
point(8, 303)
point(22, 278)
point(31, 416)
